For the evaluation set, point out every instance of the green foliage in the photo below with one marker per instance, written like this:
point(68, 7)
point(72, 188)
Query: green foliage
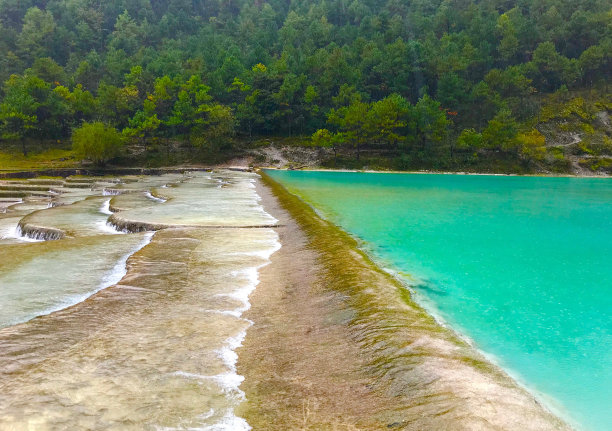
point(509, 43)
point(573, 107)
point(143, 124)
point(501, 132)
point(217, 125)
point(387, 118)
point(533, 144)
point(405, 77)
point(598, 164)
point(18, 110)
point(470, 140)
point(97, 142)
point(603, 148)
point(36, 33)
point(428, 122)
point(351, 121)
point(322, 138)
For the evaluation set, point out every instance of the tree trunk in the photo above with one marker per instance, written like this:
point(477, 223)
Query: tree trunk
point(23, 148)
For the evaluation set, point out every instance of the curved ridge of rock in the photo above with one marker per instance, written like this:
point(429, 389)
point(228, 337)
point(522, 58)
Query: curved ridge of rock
point(133, 226)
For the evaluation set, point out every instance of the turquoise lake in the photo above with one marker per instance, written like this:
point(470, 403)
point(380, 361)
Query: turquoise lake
point(521, 265)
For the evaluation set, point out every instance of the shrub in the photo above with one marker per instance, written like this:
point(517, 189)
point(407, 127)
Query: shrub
point(97, 142)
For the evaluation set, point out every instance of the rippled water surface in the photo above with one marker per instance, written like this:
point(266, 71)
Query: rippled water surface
point(520, 265)
point(102, 329)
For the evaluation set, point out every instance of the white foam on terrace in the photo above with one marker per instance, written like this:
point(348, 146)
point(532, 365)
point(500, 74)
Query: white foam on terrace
point(111, 192)
point(247, 253)
point(197, 202)
point(15, 233)
point(241, 282)
point(119, 271)
point(231, 381)
point(26, 293)
point(108, 228)
point(228, 421)
point(105, 208)
point(104, 225)
point(154, 198)
point(112, 277)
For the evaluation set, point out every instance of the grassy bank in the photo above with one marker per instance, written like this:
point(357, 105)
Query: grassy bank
point(153, 153)
point(55, 158)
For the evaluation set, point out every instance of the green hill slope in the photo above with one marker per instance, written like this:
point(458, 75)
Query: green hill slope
point(426, 83)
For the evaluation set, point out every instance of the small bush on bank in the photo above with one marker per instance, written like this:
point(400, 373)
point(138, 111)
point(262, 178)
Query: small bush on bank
point(97, 142)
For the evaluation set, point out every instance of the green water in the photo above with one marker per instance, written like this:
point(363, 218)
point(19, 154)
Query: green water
point(522, 266)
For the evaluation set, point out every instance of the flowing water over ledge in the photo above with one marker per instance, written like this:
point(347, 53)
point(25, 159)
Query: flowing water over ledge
point(134, 330)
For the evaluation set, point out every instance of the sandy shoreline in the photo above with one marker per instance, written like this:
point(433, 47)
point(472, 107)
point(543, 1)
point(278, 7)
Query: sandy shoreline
point(336, 345)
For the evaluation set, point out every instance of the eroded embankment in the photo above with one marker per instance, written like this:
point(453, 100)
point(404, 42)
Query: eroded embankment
point(339, 344)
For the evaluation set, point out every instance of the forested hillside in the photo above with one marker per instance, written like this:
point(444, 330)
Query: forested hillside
point(428, 82)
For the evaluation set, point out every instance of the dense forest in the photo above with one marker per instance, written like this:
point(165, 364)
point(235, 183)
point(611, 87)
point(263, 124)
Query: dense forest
point(430, 82)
